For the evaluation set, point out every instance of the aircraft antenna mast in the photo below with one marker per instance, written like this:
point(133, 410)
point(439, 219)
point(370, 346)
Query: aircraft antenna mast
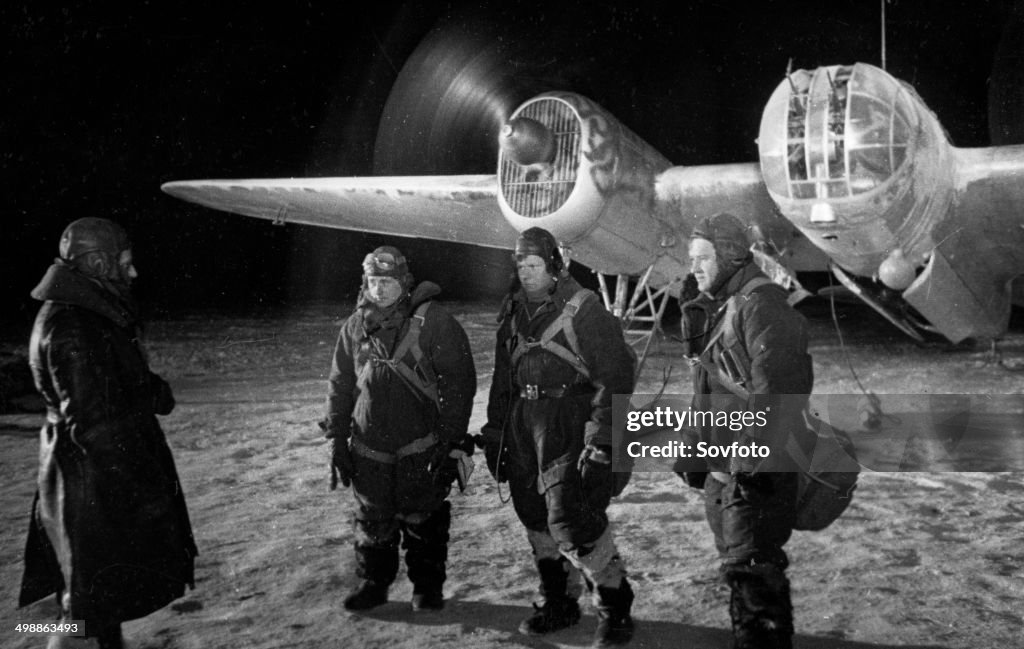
point(883, 33)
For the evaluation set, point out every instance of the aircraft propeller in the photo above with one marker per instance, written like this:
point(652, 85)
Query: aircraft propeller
point(451, 100)
point(527, 142)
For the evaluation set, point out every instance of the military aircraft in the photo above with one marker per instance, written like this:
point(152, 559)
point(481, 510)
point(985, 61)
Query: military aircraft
point(856, 175)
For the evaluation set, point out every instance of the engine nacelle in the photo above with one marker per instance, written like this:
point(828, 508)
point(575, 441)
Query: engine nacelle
point(859, 164)
point(597, 193)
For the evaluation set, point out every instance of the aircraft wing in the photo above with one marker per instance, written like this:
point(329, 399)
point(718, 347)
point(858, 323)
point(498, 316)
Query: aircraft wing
point(990, 195)
point(462, 209)
point(702, 190)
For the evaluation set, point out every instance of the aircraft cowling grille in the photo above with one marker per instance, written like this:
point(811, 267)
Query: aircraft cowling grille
point(533, 192)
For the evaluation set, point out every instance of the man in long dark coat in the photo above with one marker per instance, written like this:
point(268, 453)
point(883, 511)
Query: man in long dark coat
point(109, 534)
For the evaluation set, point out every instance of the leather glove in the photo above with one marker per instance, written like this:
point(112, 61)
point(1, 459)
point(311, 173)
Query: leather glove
point(595, 467)
point(341, 463)
point(489, 441)
point(439, 465)
point(600, 456)
point(692, 471)
point(449, 462)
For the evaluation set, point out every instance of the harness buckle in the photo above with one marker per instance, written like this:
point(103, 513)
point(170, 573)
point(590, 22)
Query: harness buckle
point(531, 392)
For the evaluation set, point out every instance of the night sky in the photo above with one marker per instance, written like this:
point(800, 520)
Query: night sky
point(104, 104)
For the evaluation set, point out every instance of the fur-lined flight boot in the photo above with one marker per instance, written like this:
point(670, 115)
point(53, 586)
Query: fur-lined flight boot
point(614, 623)
point(760, 608)
point(368, 594)
point(426, 556)
point(377, 566)
point(559, 610)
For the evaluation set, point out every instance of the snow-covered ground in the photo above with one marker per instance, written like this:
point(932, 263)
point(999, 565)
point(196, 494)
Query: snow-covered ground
point(919, 560)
